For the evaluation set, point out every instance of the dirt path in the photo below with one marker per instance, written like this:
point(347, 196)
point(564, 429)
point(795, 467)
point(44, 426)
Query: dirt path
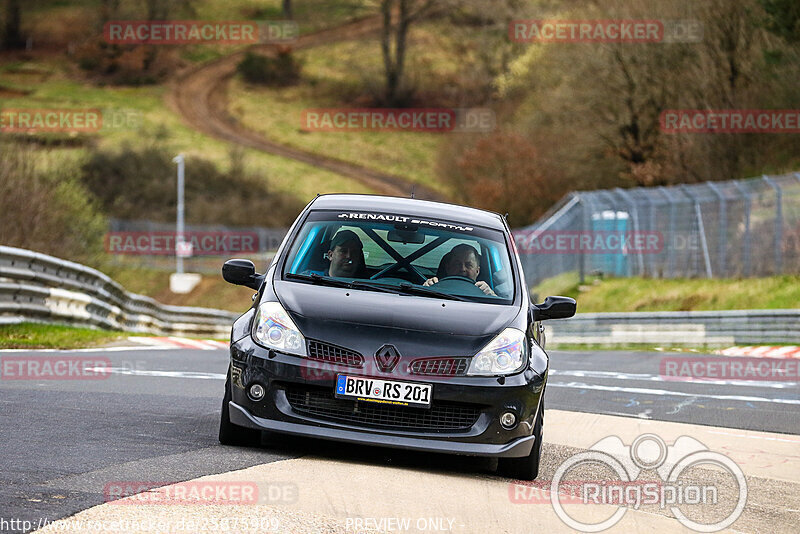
point(200, 96)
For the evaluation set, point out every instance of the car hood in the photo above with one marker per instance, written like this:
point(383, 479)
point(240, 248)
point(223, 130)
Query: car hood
point(353, 317)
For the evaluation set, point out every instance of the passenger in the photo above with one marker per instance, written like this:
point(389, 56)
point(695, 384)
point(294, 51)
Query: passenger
point(464, 260)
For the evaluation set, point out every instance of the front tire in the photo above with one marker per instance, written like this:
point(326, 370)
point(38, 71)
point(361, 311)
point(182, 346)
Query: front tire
point(526, 467)
point(230, 434)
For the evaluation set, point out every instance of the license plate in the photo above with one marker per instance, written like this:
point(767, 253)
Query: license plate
point(383, 391)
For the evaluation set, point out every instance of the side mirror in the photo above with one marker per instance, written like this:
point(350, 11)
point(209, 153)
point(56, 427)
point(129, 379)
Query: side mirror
point(242, 273)
point(554, 308)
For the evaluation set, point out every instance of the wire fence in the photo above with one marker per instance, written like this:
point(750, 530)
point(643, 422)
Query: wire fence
point(739, 228)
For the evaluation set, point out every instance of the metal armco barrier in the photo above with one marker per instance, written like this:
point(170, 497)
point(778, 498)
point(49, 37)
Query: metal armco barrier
point(44, 288)
point(694, 328)
point(39, 287)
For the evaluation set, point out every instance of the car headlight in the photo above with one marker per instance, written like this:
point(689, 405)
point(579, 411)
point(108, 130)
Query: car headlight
point(504, 355)
point(276, 330)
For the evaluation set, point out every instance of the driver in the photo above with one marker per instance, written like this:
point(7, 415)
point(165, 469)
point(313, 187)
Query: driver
point(464, 261)
point(345, 254)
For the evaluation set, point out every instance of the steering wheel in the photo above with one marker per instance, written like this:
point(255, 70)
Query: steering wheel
point(457, 277)
point(389, 272)
point(455, 284)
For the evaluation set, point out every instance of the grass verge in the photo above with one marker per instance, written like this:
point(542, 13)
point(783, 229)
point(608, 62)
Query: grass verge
point(48, 336)
point(212, 292)
point(597, 295)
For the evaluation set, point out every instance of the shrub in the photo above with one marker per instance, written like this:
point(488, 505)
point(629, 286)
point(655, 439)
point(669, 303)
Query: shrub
point(126, 64)
point(141, 184)
point(502, 173)
point(281, 70)
point(47, 211)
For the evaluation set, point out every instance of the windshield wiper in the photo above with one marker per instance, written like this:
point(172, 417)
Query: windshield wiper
point(333, 282)
point(423, 290)
point(319, 279)
point(375, 287)
point(402, 288)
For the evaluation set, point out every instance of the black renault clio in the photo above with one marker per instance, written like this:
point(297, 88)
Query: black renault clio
point(397, 322)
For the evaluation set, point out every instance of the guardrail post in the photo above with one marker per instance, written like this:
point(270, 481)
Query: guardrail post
point(746, 242)
point(582, 258)
point(613, 209)
point(778, 223)
point(179, 223)
point(635, 214)
point(671, 244)
point(722, 235)
point(651, 228)
point(698, 213)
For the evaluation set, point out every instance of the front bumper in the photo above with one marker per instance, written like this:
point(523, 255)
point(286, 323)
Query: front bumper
point(487, 397)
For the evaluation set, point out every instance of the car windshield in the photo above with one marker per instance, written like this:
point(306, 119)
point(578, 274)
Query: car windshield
point(426, 258)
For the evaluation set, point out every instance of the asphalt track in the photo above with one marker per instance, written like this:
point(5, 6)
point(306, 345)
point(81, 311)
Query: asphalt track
point(155, 419)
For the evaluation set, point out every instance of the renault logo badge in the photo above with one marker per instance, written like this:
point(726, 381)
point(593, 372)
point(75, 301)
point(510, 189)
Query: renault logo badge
point(387, 357)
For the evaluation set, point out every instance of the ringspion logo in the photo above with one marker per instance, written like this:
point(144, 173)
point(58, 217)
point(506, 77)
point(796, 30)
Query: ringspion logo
point(674, 490)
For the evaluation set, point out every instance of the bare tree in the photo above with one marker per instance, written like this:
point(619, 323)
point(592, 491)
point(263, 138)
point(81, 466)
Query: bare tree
point(398, 16)
point(12, 36)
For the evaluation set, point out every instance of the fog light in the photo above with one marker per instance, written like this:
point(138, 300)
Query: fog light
point(508, 420)
point(256, 392)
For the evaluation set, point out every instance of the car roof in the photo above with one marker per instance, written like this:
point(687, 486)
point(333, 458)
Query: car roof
point(409, 206)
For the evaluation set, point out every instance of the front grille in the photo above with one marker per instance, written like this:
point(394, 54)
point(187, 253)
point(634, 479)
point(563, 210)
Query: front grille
point(440, 366)
point(441, 416)
point(325, 352)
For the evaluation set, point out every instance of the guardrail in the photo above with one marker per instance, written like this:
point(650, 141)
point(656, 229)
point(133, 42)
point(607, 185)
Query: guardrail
point(36, 286)
point(44, 288)
point(691, 328)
